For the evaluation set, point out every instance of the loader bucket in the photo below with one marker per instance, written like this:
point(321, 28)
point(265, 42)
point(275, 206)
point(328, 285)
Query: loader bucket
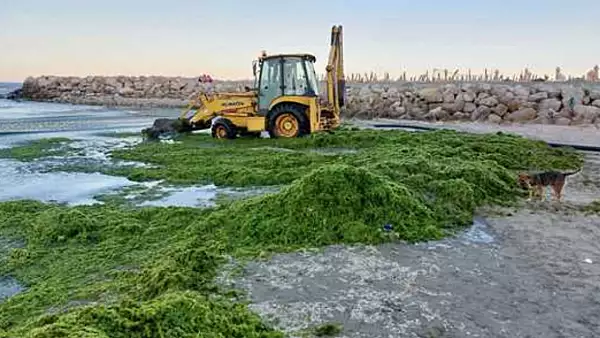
point(166, 128)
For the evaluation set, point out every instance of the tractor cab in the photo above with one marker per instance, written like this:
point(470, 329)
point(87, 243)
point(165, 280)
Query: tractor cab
point(284, 75)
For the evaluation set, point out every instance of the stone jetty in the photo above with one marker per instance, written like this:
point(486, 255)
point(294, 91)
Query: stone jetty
point(561, 103)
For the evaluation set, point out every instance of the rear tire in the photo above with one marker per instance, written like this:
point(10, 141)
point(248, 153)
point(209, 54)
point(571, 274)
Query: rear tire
point(288, 121)
point(223, 129)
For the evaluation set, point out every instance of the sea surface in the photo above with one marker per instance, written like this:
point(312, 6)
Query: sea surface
point(26, 121)
point(7, 87)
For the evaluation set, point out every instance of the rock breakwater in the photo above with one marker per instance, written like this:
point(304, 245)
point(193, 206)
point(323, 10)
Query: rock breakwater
point(495, 102)
point(544, 103)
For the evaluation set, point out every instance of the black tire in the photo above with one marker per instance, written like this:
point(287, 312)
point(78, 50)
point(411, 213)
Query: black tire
point(289, 111)
point(223, 129)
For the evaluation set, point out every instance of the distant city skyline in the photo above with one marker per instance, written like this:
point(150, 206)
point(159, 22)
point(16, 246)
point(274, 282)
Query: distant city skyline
point(221, 38)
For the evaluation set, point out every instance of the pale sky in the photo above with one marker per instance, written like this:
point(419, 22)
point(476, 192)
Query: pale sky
point(222, 37)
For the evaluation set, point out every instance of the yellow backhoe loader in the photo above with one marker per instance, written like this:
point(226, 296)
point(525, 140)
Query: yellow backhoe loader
point(285, 99)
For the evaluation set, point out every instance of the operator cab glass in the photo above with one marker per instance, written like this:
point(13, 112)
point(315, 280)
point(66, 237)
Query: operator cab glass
point(256, 73)
point(297, 77)
point(313, 83)
point(269, 83)
point(286, 75)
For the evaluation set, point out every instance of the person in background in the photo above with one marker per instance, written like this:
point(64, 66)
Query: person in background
point(206, 79)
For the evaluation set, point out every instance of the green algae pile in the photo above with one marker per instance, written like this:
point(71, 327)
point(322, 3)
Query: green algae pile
point(35, 149)
point(115, 271)
point(199, 159)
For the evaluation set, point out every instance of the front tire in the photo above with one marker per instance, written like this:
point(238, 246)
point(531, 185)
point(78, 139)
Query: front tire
point(288, 121)
point(223, 129)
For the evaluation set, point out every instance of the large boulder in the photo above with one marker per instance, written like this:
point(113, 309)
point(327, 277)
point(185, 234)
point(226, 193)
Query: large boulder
point(586, 114)
point(15, 95)
point(522, 115)
point(500, 110)
point(552, 103)
point(431, 95)
point(537, 97)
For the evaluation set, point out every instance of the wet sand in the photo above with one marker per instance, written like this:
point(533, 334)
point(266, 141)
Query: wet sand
point(530, 272)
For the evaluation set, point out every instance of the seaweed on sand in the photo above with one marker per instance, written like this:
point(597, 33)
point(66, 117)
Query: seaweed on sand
point(111, 271)
point(198, 159)
point(332, 204)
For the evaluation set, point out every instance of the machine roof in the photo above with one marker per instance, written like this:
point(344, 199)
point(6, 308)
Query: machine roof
point(300, 55)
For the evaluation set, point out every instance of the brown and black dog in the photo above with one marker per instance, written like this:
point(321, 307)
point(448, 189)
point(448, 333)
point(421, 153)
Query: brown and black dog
point(536, 182)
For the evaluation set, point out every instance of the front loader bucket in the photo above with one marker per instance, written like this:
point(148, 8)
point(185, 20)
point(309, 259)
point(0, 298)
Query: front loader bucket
point(166, 128)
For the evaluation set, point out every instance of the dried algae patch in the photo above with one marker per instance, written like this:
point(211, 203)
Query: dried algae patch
point(111, 271)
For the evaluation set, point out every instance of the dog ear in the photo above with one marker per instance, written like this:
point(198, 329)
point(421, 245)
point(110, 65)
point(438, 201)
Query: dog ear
point(523, 180)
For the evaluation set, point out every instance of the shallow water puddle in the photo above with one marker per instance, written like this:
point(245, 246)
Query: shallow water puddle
point(477, 232)
point(334, 151)
point(194, 196)
point(34, 181)
point(72, 188)
point(9, 287)
point(48, 179)
point(186, 197)
point(280, 149)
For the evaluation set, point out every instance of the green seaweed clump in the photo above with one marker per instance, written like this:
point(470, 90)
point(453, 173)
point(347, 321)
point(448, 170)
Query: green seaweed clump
point(592, 208)
point(328, 330)
point(33, 150)
point(332, 204)
point(199, 159)
point(179, 314)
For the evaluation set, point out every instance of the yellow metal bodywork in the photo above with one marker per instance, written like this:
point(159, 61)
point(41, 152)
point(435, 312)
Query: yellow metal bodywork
point(336, 80)
point(245, 114)
point(241, 108)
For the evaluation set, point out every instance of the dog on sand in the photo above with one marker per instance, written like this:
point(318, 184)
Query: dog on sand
point(536, 183)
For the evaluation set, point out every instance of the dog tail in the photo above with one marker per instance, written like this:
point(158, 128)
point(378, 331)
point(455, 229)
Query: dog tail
point(572, 172)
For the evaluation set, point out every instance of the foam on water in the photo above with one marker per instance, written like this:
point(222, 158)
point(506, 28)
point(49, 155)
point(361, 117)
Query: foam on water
point(72, 188)
point(202, 196)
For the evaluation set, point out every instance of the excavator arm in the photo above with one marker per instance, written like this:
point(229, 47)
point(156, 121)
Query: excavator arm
point(336, 80)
